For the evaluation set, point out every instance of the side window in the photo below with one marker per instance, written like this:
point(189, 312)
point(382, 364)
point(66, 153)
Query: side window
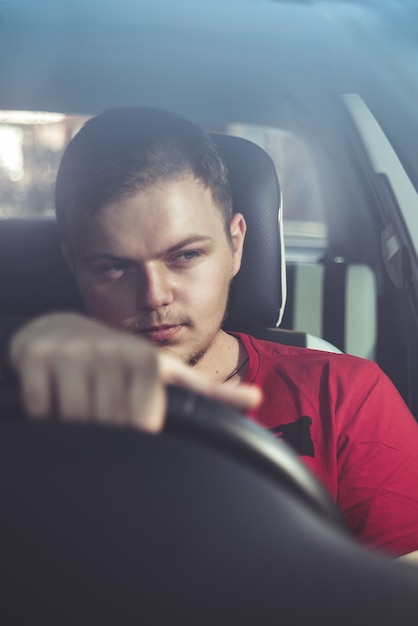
point(305, 228)
point(31, 145)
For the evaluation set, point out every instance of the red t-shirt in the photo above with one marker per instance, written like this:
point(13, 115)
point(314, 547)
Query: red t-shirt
point(351, 428)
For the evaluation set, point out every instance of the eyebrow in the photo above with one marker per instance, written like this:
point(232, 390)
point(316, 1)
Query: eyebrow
point(103, 256)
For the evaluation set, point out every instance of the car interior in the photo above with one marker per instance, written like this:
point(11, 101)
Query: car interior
point(179, 571)
point(335, 203)
point(231, 528)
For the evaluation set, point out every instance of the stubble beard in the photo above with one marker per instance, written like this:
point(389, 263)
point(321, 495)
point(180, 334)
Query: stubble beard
point(193, 360)
point(135, 328)
point(198, 356)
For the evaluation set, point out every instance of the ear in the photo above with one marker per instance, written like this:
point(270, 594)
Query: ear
point(238, 229)
point(66, 253)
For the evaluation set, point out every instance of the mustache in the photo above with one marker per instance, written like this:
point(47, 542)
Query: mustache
point(139, 325)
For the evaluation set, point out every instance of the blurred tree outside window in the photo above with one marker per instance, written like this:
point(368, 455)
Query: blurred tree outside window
point(32, 143)
point(31, 146)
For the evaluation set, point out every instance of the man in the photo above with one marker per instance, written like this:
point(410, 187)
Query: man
point(145, 212)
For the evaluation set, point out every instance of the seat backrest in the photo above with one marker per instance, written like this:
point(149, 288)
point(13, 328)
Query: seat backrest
point(258, 292)
point(34, 278)
point(336, 301)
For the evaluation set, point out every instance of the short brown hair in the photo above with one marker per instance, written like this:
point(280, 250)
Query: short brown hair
point(127, 149)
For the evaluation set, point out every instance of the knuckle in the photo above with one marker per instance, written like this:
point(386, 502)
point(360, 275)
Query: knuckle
point(148, 360)
point(106, 350)
point(141, 361)
point(36, 352)
point(71, 349)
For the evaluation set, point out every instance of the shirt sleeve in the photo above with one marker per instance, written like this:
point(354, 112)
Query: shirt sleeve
point(377, 460)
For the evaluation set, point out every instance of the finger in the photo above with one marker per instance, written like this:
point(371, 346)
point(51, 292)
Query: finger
point(146, 406)
point(242, 397)
point(146, 400)
point(108, 390)
point(35, 385)
point(72, 384)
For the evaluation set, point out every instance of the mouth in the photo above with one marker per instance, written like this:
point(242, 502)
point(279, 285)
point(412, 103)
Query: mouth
point(162, 333)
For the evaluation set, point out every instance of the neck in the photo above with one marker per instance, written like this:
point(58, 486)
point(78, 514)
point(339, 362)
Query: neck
point(225, 361)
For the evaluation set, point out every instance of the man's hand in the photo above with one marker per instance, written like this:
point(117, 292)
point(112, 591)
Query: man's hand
point(83, 370)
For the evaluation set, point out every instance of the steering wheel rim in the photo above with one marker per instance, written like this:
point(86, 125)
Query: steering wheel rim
point(204, 420)
point(209, 422)
point(129, 518)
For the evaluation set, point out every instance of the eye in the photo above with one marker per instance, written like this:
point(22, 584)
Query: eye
point(189, 255)
point(186, 256)
point(113, 269)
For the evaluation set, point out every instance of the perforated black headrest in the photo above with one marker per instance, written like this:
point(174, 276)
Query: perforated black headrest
point(259, 291)
point(34, 279)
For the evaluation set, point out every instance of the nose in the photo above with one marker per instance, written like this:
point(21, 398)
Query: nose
point(154, 289)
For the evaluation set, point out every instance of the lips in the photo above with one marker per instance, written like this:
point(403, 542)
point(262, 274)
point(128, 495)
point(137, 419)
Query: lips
point(161, 333)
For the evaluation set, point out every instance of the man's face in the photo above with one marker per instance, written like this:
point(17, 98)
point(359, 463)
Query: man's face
point(159, 264)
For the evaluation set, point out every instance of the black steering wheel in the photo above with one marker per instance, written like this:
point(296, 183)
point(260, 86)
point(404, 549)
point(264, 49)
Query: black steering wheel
point(213, 521)
point(210, 423)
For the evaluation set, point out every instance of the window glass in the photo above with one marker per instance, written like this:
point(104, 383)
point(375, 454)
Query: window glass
point(304, 222)
point(32, 143)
